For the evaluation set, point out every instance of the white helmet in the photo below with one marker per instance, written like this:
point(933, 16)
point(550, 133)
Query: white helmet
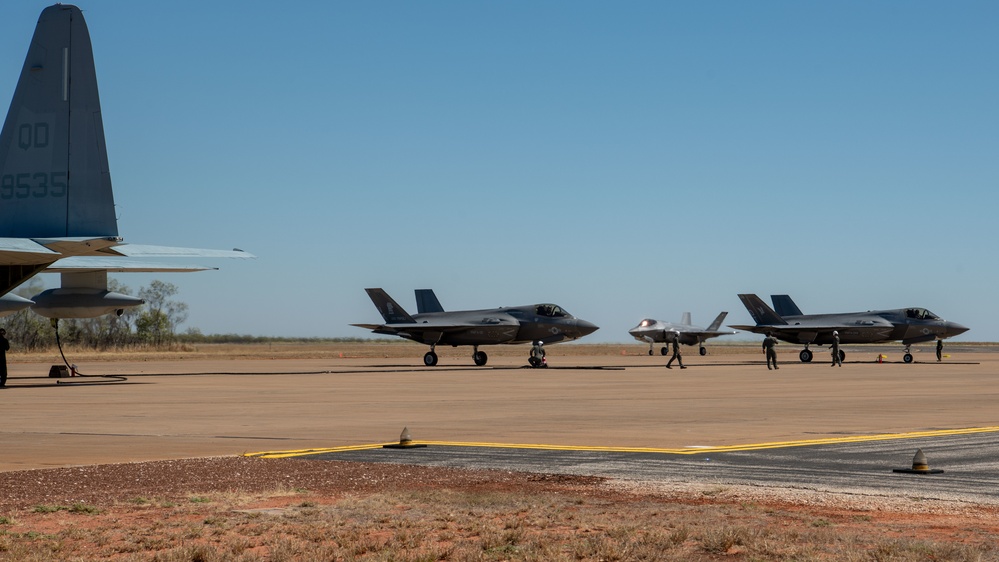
point(835, 333)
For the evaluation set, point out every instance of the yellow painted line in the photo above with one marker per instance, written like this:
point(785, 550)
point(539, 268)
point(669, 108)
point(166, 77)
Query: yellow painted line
point(674, 451)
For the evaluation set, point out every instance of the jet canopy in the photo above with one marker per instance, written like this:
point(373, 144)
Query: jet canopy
point(920, 314)
point(551, 311)
point(646, 323)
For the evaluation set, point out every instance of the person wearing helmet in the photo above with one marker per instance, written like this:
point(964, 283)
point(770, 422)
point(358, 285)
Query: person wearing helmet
point(674, 337)
point(836, 359)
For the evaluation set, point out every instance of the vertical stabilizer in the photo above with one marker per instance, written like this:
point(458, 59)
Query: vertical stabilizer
point(426, 301)
point(762, 314)
point(785, 306)
point(388, 308)
point(685, 319)
point(718, 322)
point(54, 179)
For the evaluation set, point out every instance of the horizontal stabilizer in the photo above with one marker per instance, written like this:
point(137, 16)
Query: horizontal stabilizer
point(147, 251)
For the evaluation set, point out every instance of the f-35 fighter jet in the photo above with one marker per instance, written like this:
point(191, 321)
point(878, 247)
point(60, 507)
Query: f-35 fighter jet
point(910, 325)
point(655, 331)
point(545, 323)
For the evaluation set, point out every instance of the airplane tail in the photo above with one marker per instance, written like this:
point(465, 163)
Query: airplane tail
point(54, 178)
point(785, 306)
point(426, 301)
point(388, 308)
point(761, 313)
point(718, 322)
point(685, 319)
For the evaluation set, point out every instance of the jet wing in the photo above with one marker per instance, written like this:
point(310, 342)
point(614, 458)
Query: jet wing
point(808, 333)
point(432, 332)
point(119, 265)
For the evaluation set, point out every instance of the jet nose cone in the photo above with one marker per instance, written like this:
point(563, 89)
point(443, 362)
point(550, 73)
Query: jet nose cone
point(585, 327)
point(953, 329)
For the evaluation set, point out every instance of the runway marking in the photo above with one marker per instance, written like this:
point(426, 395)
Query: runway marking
point(691, 450)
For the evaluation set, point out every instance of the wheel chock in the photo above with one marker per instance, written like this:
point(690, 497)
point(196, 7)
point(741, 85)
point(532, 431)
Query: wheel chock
point(405, 442)
point(919, 466)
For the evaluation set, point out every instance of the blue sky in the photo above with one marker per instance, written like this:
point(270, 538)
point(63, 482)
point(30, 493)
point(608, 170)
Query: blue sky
point(622, 161)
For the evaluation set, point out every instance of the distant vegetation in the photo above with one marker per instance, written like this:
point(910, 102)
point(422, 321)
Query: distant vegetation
point(152, 325)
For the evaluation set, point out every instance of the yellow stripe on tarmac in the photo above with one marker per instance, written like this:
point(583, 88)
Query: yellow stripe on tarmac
point(679, 451)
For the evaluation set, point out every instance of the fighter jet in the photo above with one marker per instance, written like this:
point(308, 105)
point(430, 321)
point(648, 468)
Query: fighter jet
point(57, 209)
point(547, 323)
point(653, 331)
point(910, 325)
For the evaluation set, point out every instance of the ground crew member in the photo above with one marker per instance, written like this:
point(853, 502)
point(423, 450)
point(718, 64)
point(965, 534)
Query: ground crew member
point(939, 350)
point(537, 354)
point(835, 350)
point(676, 351)
point(4, 346)
point(768, 347)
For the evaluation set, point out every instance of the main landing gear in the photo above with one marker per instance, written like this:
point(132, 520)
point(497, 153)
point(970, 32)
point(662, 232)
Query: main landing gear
point(702, 350)
point(430, 359)
point(806, 355)
point(479, 357)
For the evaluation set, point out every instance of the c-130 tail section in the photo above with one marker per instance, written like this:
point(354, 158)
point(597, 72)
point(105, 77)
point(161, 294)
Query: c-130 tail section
point(54, 178)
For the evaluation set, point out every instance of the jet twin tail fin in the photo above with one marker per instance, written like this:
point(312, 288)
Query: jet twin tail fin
point(717, 323)
point(426, 301)
point(388, 308)
point(785, 306)
point(761, 313)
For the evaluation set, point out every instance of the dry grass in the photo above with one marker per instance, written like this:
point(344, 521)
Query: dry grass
point(460, 525)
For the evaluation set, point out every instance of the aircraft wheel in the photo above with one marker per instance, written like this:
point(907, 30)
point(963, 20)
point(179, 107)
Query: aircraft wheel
point(703, 351)
point(480, 358)
point(430, 359)
point(842, 355)
point(650, 352)
point(805, 356)
point(664, 351)
point(907, 358)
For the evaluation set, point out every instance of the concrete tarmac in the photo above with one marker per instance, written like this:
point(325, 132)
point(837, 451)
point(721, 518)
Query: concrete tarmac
point(194, 408)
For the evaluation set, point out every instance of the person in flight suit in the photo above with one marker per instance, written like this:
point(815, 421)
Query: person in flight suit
point(676, 351)
point(835, 350)
point(769, 343)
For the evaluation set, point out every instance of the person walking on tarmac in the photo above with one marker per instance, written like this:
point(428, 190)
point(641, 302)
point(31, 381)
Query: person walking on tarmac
point(835, 350)
point(939, 350)
point(768, 347)
point(676, 351)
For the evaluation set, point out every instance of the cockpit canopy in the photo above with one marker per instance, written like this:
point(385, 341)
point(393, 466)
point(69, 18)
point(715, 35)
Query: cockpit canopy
point(646, 323)
point(920, 314)
point(551, 311)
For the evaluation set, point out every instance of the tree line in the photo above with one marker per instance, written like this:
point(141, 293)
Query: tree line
point(151, 324)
